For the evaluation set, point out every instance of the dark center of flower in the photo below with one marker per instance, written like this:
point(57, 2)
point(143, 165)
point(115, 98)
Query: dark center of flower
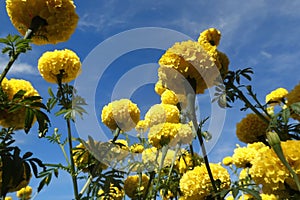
point(37, 22)
point(212, 42)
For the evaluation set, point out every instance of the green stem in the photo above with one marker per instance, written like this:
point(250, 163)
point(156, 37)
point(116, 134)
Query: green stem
point(86, 185)
point(61, 146)
point(36, 23)
point(74, 178)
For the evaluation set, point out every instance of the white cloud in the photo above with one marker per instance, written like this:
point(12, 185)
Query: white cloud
point(18, 68)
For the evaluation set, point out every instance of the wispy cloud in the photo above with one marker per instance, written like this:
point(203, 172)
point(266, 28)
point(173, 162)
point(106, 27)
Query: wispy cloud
point(19, 68)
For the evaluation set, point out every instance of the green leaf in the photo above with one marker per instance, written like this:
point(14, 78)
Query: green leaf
point(254, 193)
point(19, 94)
point(296, 108)
point(285, 115)
point(50, 92)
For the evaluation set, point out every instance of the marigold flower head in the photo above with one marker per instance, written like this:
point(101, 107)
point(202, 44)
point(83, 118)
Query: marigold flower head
point(135, 185)
point(184, 135)
point(122, 113)
point(268, 170)
point(211, 36)
point(152, 158)
point(195, 184)
point(58, 18)
point(293, 97)
point(186, 162)
point(227, 160)
point(137, 148)
point(159, 88)
point(162, 134)
point(243, 156)
point(115, 193)
point(142, 126)
point(64, 63)
point(15, 119)
point(169, 97)
point(25, 193)
point(187, 61)
point(276, 96)
point(251, 129)
point(161, 113)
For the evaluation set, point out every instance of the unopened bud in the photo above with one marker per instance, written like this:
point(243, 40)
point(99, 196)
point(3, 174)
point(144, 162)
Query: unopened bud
point(273, 138)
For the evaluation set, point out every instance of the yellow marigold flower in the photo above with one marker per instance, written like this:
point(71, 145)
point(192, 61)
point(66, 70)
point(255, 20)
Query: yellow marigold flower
point(142, 126)
point(244, 174)
point(269, 171)
point(162, 134)
point(83, 159)
point(153, 156)
point(209, 40)
point(122, 114)
point(59, 62)
point(159, 88)
point(229, 198)
point(168, 195)
point(137, 148)
point(136, 185)
point(276, 96)
point(120, 150)
point(187, 60)
point(243, 156)
point(211, 36)
point(25, 193)
point(196, 185)
point(227, 160)
point(115, 193)
point(15, 119)
point(169, 97)
point(186, 161)
point(58, 18)
point(293, 97)
point(184, 135)
point(251, 129)
point(161, 113)
point(8, 198)
point(246, 197)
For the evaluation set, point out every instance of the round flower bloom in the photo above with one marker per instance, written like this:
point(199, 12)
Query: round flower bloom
point(211, 36)
point(276, 96)
point(135, 185)
point(122, 114)
point(268, 197)
point(184, 135)
point(137, 148)
point(115, 193)
point(25, 193)
point(161, 113)
point(169, 97)
point(251, 129)
point(294, 97)
point(187, 60)
point(243, 156)
point(152, 157)
point(244, 174)
point(227, 160)
point(15, 119)
point(269, 171)
point(58, 19)
point(196, 185)
point(162, 134)
point(142, 126)
point(59, 62)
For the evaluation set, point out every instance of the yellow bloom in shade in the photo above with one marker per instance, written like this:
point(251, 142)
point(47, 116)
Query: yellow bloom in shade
point(169, 97)
point(58, 18)
point(211, 36)
point(293, 97)
point(122, 114)
point(276, 96)
point(115, 193)
point(15, 119)
point(136, 185)
point(142, 126)
point(196, 185)
point(152, 158)
point(251, 129)
point(8, 198)
point(227, 160)
point(25, 193)
point(186, 162)
point(268, 197)
point(59, 62)
point(83, 159)
point(243, 156)
point(161, 113)
point(269, 171)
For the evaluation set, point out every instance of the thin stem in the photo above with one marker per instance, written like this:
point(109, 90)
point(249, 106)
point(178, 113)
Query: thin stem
point(86, 185)
point(36, 23)
point(61, 147)
point(74, 178)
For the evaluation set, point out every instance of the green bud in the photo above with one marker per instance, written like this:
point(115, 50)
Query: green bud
point(273, 138)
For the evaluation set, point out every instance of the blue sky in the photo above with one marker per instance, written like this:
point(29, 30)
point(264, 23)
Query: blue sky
point(260, 34)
